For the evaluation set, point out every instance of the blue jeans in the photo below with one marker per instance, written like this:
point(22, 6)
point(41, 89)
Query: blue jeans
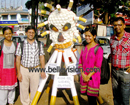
point(121, 87)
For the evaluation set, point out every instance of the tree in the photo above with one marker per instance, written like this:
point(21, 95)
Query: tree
point(33, 4)
point(102, 8)
point(105, 7)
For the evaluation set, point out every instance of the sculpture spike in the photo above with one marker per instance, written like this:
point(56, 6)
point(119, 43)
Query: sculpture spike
point(45, 12)
point(80, 26)
point(78, 37)
point(81, 19)
point(70, 5)
point(45, 33)
point(42, 24)
point(49, 6)
point(58, 7)
point(50, 48)
point(74, 40)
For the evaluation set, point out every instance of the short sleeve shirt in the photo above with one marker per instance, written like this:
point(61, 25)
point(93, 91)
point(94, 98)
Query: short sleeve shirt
point(120, 51)
point(30, 56)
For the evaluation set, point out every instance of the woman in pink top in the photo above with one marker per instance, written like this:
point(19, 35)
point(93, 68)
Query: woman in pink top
point(8, 78)
point(90, 64)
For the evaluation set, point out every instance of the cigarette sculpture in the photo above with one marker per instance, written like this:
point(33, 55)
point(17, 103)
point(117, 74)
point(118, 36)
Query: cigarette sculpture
point(63, 32)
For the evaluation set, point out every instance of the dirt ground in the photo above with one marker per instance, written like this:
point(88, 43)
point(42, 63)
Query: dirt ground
point(64, 96)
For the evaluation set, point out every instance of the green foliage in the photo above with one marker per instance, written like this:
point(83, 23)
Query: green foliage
point(41, 6)
point(112, 15)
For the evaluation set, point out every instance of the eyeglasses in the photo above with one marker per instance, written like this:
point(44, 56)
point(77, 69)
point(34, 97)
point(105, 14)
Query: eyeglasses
point(31, 32)
point(117, 25)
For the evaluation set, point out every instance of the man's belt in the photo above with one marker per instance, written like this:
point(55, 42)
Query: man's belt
point(116, 68)
point(29, 67)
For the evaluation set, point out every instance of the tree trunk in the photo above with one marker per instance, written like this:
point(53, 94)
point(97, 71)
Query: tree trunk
point(33, 13)
point(36, 23)
point(106, 17)
point(48, 42)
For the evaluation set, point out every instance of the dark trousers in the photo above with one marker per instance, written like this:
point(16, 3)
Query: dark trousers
point(121, 87)
point(92, 100)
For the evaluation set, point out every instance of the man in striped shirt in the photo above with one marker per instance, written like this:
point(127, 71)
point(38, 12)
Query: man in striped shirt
point(32, 56)
point(120, 53)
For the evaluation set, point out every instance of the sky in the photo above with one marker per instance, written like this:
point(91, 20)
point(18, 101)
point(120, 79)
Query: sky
point(14, 3)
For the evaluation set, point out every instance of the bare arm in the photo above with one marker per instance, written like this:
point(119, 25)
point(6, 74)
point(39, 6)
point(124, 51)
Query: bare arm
point(86, 78)
point(42, 62)
point(19, 75)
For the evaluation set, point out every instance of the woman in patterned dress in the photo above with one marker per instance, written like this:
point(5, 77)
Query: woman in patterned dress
point(8, 78)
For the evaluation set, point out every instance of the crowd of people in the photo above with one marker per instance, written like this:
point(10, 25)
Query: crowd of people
point(17, 58)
